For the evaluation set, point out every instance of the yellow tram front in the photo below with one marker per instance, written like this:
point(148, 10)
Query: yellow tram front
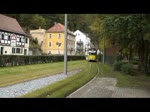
point(92, 55)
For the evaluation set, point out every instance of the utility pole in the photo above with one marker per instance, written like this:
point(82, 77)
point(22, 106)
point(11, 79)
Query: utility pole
point(65, 47)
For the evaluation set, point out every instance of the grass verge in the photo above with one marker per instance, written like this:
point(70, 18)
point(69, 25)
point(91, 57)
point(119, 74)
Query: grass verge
point(18, 74)
point(124, 80)
point(65, 87)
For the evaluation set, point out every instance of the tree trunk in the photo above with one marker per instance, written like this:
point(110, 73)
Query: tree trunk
point(146, 58)
point(142, 52)
point(130, 53)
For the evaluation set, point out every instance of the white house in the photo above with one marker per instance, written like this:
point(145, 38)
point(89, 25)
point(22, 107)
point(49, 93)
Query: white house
point(13, 40)
point(82, 42)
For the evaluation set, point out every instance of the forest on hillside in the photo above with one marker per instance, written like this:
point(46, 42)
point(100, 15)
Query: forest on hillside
point(80, 22)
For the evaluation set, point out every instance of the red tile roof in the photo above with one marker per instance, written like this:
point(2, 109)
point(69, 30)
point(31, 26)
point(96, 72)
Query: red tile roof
point(58, 27)
point(10, 24)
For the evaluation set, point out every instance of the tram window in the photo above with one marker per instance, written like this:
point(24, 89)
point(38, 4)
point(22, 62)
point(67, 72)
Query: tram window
point(92, 53)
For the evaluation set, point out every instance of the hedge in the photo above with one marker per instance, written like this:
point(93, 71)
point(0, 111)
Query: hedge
point(15, 60)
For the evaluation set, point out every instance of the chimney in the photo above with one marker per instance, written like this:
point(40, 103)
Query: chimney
point(39, 27)
point(55, 23)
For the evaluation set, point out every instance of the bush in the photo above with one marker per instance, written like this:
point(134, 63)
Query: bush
point(127, 68)
point(15, 60)
point(134, 62)
point(117, 66)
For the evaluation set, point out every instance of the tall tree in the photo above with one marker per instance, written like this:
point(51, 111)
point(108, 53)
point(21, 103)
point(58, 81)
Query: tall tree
point(129, 31)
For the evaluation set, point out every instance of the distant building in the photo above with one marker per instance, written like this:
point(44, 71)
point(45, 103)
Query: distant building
point(40, 35)
point(54, 41)
point(13, 40)
point(82, 42)
point(51, 41)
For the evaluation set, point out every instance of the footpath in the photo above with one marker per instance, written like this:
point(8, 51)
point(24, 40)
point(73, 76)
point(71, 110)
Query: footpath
point(106, 88)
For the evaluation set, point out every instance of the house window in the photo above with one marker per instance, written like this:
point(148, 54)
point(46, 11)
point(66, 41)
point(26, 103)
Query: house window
point(59, 35)
point(5, 37)
point(50, 44)
point(8, 42)
point(5, 41)
point(9, 37)
point(13, 50)
point(49, 52)
point(50, 35)
point(26, 40)
point(22, 39)
point(2, 41)
point(2, 36)
point(21, 50)
point(18, 39)
point(58, 52)
point(58, 44)
point(17, 50)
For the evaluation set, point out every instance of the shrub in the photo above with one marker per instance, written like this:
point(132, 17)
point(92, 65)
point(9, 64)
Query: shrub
point(134, 61)
point(117, 66)
point(14, 60)
point(127, 68)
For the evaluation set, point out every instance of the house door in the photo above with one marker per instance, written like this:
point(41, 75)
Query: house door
point(25, 51)
point(1, 50)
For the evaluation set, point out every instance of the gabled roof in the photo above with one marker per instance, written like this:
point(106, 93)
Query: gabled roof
point(58, 27)
point(86, 34)
point(10, 24)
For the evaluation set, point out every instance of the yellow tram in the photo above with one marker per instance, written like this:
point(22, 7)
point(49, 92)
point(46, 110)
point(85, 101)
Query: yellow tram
point(92, 54)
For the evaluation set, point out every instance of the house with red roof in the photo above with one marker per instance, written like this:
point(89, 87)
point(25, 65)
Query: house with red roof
point(52, 40)
point(13, 40)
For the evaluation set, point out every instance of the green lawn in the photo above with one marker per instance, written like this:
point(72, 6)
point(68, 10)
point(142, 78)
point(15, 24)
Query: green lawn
point(65, 87)
point(17, 74)
point(124, 80)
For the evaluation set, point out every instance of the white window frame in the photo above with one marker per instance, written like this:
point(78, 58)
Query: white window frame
point(6, 37)
point(2, 41)
point(17, 39)
point(5, 42)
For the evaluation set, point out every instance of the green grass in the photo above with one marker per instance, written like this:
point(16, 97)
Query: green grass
point(124, 80)
point(65, 87)
point(17, 74)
